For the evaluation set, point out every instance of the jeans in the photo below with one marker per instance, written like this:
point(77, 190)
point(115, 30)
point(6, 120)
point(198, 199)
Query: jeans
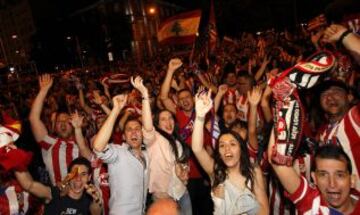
point(185, 204)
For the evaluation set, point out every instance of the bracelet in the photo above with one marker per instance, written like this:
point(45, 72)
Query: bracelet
point(343, 35)
point(200, 118)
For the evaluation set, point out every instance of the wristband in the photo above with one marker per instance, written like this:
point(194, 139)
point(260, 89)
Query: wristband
point(343, 35)
point(200, 118)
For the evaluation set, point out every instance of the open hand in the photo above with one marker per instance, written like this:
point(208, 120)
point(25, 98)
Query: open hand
point(138, 84)
point(254, 96)
point(45, 82)
point(119, 101)
point(203, 103)
point(76, 120)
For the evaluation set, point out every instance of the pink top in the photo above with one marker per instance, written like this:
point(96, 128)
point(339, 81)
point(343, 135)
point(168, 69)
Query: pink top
point(161, 164)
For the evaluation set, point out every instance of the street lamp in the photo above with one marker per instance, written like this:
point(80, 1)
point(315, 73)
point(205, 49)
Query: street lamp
point(152, 10)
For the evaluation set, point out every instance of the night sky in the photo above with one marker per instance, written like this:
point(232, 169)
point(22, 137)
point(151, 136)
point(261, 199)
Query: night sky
point(233, 16)
point(55, 20)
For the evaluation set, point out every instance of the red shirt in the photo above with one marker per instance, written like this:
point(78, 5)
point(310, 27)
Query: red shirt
point(186, 127)
point(308, 200)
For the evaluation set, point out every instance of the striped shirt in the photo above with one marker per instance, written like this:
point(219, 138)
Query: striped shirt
point(308, 201)
point(347, 134)
point(13, 200)
point(57, 154)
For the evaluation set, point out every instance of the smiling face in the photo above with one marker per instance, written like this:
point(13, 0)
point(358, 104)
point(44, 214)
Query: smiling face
point(229, 150)
point(166, 122)
point(133, 134)
point(334, 181)
point(186, 101)
point(77, 184)
point(334, 101)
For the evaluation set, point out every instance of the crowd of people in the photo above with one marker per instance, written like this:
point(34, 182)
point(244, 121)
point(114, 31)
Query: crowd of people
point(267, 124)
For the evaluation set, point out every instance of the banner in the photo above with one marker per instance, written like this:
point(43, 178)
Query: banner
point(212, 28)
point(180, 29)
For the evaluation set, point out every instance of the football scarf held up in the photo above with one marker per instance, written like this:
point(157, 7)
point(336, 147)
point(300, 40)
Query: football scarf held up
point(289, 112)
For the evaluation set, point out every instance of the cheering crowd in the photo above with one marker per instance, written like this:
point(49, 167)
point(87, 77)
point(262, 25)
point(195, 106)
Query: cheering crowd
point(267, 124)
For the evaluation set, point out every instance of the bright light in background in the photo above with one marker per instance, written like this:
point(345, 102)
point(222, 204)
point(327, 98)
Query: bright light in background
point(68, 38)
point(14, 36)
point(152, 10)
point(12, 69)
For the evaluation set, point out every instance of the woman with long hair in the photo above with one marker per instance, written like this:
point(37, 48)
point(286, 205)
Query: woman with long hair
point(168, 155)
point(238, 186)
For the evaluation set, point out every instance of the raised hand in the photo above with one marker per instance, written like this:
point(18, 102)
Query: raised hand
point(119, 101)
point(223, 89)
point(45, 82)
point(97, 97)
point(174, 64)
point(203, 103)
point(138, 84)
point(254, 96)
point(333, 33)
point(76, 120)
point(201, 89)
point(93, 192)
point(267, 59)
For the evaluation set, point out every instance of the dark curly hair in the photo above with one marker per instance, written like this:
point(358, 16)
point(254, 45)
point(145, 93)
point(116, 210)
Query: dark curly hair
point(246, 167)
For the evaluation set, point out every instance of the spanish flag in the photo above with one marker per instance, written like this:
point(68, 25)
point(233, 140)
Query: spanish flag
point(180, 29)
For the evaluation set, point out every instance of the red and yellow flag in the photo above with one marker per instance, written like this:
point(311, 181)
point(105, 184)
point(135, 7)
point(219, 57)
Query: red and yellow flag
point(180, 29)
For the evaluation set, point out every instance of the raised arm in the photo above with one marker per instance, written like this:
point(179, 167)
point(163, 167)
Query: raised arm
point(265, 104)
point(260, 192)
point(83, 104)
point(262, 68)
point(174, 64)
point(287, 175)
point(220, 94)
point(127, 113)
point(99, 101)
point(103, 136)
point(206, 83)
point(37, 189)
point(338, 33)
point(106, 90)
point(77, 122)
point(146, 109)
point(37, 126)
point(203, 104)
point(254, 99)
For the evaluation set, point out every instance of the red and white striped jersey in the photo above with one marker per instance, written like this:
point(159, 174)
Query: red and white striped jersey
point(347, 134)
point(308, 201)
point(13, 200)
point(232, 96)
point(57, 154)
